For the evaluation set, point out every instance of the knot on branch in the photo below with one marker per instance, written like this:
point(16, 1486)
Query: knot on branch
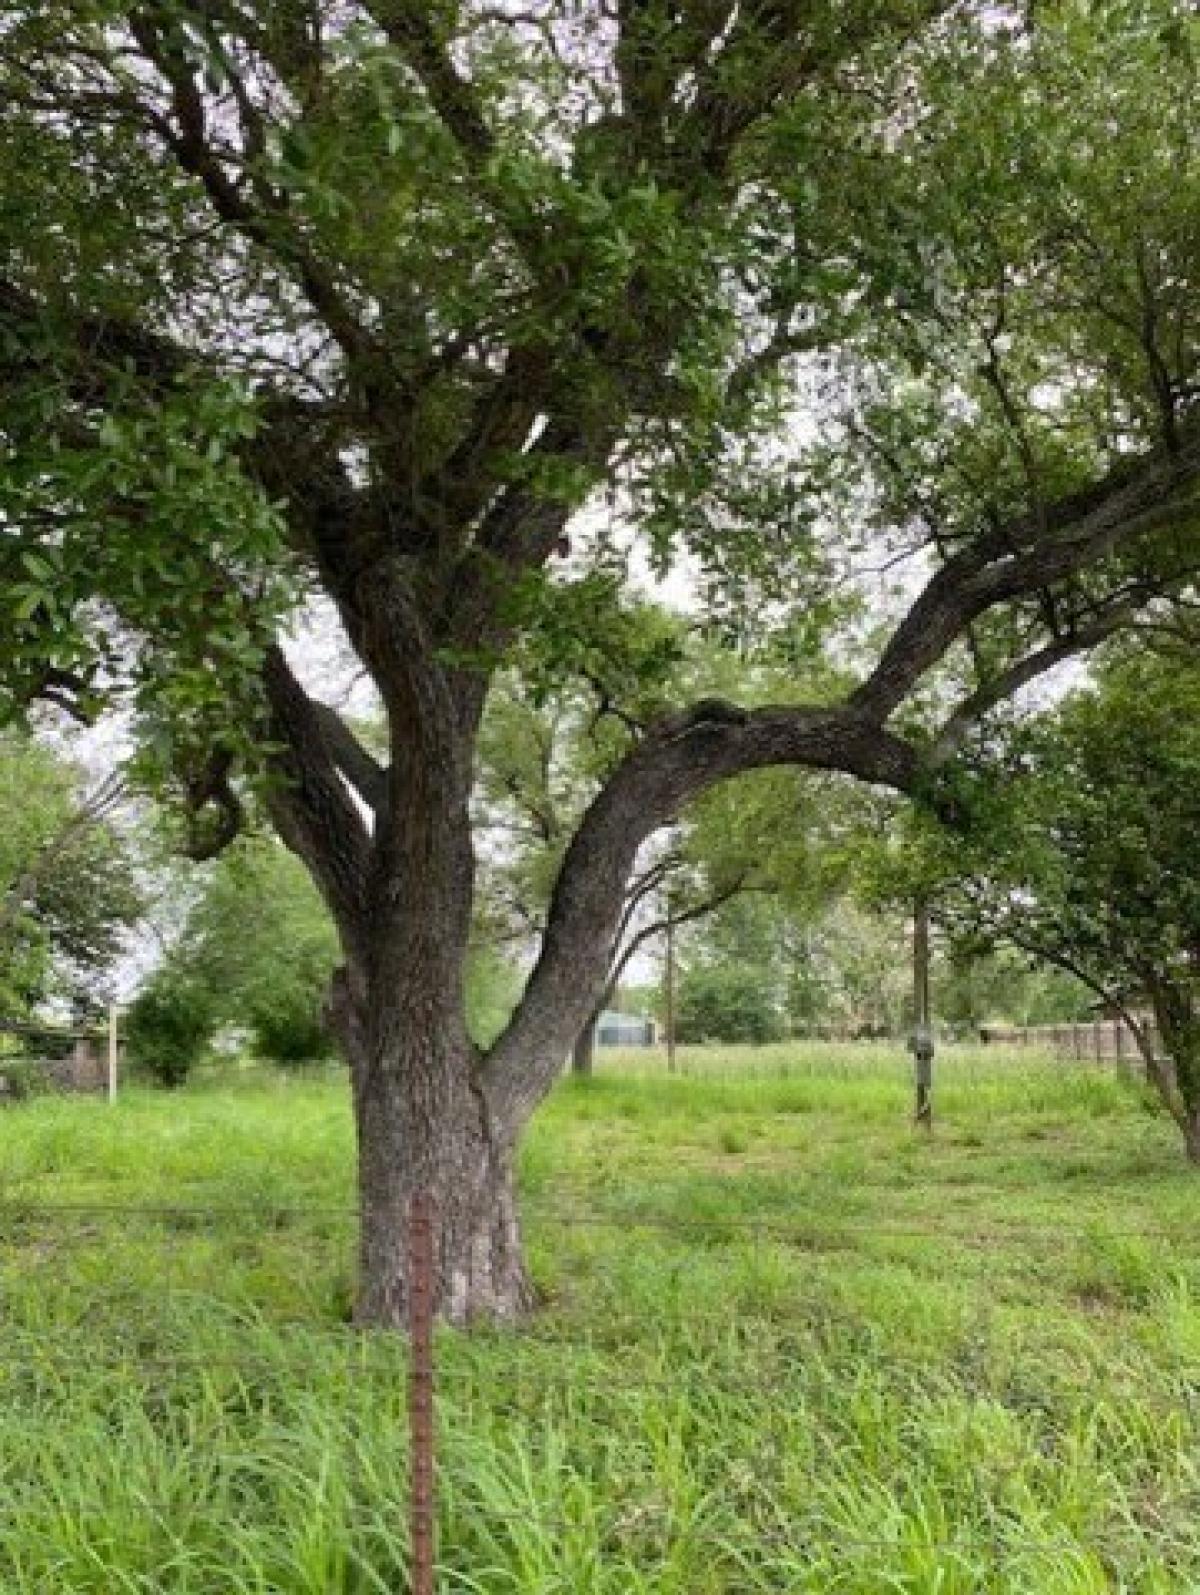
point(707, 713)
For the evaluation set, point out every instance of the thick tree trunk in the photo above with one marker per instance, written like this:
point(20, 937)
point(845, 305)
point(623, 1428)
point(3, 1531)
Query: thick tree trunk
point(424, 1124)
point(422, 1128)
point(583, 1055)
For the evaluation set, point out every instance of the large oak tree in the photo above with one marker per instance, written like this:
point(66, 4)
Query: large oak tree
point(366, 298)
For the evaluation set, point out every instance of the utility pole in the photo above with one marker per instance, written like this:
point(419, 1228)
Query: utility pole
point(921, 1044)
point(669, 993)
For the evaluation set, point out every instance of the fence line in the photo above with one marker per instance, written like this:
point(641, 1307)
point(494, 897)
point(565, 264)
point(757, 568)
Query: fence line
point(431, 1497)
point(16, 1213)
point(1095, 1041)
point(21, 1028)
point(90, 1065)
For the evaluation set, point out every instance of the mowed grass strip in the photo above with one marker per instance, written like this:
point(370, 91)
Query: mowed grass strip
point(786, 1343)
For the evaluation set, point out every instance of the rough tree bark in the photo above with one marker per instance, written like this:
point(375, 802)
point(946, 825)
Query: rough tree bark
point(1176, 1077)
point(424, 1123)
point(423, 1126)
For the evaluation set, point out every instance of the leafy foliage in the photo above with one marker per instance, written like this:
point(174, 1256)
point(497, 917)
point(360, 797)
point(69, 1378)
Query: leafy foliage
point(727, 1002)
point(1085, 854)
point(68, 879)
point(990, 279)
point(256, 953)
point(169, 1025)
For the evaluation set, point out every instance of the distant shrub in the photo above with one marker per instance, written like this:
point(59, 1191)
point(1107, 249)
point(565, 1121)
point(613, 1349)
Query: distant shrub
point(731, 1138)
point(727, 1003)
point(169, 1027)
point(22, 1078)
point(291, 1033)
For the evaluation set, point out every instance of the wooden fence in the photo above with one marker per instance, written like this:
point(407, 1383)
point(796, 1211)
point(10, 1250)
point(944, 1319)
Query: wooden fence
point(66, 1059)
point(1090, 1041)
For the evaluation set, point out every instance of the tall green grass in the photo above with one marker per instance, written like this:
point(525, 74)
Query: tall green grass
point(785, 1343)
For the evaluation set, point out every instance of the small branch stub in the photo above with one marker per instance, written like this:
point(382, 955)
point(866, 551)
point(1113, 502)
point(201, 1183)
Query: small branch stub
point(420, 1393)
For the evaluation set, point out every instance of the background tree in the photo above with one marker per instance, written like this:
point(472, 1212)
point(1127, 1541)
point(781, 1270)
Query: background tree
point(69, 888)
point(254, 954)
point(975, 985)
point(728, 1002)
point(367, 297)
point(1087, 860)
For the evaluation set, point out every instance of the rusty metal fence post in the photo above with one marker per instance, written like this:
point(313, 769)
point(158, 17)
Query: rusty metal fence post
point(420, 1393)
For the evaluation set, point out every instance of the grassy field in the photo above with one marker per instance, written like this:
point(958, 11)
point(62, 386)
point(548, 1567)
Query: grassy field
point(786, 1344)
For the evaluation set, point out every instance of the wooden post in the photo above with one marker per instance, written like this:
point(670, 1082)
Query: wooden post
point(113, 1050)
point(922, 1042)
point(669, 993)
point(420, 1394)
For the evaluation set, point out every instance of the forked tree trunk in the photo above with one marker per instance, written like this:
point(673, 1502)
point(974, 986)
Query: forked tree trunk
point(423, 1123)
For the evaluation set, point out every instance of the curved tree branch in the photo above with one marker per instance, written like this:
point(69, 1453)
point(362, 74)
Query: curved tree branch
point(1158, 1069)
point(1020, 673)
point(680, 758)
point(1024, 557)
point(309, 803)
point(683, 755)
